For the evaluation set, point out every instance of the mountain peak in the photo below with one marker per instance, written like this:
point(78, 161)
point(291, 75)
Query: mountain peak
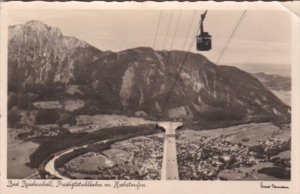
point(35, 23)
point(38, 30)
point(39, 46)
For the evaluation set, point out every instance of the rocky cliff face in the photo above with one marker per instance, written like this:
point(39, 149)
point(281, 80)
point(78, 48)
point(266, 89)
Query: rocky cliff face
point(141, 79)
point(40, 54)
point(135, 81)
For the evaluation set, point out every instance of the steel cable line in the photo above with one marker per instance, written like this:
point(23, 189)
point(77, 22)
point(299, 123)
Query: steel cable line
point(184, 60)
point(178, 74)
point(157, 27)
point(189, 31)
point(173, 39)
point(168, 29)
point(231, 35)
point(176, 32)
point(176, 27)
point(227, 43)
point(156, 33)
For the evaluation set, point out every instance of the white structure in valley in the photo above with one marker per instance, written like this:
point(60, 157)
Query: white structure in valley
point(170, 166)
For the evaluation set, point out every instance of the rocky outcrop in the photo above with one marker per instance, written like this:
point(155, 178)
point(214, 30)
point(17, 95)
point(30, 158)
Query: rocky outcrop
point(40, 54)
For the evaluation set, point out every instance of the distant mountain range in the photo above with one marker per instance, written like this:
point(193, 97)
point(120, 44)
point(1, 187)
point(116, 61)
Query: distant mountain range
point(279, 85)
point(46, 66)
point(274, 82)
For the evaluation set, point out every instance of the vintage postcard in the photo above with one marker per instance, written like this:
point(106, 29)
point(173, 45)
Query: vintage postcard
point(149, 97)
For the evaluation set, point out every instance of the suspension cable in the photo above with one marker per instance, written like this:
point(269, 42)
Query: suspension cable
point(189, 31)
point(168, 29)
point(231, 35)
point(173, 39)
point(176, 27)
point(157, 27)
point(183, 62)
point(178, 74)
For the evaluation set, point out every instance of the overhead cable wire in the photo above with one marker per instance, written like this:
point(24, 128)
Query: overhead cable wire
point(157, 27)
point(183, 62)
point(173, 39)
point(176, 28)
point(178, 74)
point(189, 29)
point(168, 29)
point(231, 35)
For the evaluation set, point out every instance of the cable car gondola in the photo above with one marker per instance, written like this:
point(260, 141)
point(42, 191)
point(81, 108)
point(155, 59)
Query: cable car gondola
point(204, 38)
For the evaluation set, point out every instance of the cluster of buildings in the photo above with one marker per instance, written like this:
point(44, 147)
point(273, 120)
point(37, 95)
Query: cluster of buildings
point(200, 158)
point(144, 163)
point(204, 158)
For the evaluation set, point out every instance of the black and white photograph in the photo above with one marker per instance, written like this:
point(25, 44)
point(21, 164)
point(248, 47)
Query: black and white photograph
point(198, 94)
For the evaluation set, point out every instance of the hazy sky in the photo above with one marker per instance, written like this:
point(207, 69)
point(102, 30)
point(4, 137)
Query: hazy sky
point(262, 40)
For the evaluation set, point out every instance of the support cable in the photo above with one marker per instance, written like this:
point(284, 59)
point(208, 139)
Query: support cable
point(178, 74)
point(168, 29)
point(189, 31)
point(176, 28)
point(173, 39)
point(231, 35)
point(157, 27)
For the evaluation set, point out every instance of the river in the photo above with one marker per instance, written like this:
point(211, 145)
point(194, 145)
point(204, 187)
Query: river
point(50, 165)
point(170, 167)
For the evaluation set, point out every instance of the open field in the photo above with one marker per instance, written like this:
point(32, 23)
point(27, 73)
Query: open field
point(18, 153)
point(253, 132)
point(117, 154)
point(18, 156)
point(250, 173)
point(87, 123)
point(89, 162)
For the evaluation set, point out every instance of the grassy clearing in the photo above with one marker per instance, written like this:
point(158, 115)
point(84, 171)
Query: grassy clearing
point(18, 156)
point(248, 173)
point(117, 155)
point(96, 122)
point(88, 162)
point(254, 132)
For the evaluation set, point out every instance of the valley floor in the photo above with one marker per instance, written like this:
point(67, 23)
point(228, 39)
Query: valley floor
point(255, 151)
